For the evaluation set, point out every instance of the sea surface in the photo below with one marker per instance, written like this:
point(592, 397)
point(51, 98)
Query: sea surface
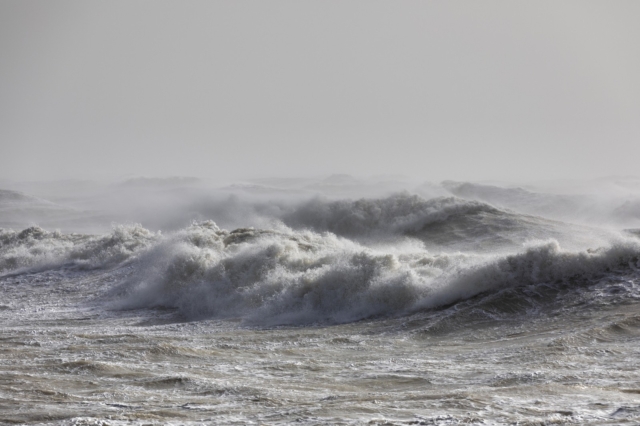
point(336, 301)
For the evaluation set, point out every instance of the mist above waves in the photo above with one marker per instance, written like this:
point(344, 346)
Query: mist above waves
point(175, 202)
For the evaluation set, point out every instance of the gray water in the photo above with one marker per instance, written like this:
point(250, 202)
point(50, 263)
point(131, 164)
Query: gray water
point(388, 309)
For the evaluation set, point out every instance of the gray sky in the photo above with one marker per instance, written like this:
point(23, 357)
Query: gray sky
point(435, 90)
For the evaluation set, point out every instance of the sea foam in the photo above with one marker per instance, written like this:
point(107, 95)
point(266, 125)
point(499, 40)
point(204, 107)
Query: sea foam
point(35, 247)
point(297, 277)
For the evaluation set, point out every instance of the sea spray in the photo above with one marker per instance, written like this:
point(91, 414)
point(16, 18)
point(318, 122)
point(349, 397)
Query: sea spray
point(35, 247)
point(299, 277)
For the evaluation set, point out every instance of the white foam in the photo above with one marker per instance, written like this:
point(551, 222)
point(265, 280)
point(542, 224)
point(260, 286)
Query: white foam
point(35, 247)
point(267, 277)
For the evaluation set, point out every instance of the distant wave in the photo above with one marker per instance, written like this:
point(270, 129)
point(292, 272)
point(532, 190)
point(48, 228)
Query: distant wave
point(16, 197)
point(619, 206)
point(554, 206)
point(443, 221)
point(398, 214)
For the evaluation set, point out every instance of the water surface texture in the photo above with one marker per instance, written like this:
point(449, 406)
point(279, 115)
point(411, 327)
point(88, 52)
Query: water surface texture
point(441, 304)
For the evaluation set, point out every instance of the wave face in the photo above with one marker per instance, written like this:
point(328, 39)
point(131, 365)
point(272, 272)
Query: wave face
point(398, 214)
point(442, 222)
point(299, 277)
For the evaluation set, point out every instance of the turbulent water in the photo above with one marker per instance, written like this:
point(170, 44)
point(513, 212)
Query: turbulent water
point(270, 303)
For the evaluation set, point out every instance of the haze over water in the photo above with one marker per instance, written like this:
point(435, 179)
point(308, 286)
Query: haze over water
point(319, 213)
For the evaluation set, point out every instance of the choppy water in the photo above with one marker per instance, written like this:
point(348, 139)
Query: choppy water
point(399, 309)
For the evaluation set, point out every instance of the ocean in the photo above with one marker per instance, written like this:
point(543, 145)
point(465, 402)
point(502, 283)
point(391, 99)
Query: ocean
point(330, 301)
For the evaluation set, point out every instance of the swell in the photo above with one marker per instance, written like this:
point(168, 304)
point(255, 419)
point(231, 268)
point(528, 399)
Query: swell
point(398, 214)
point(443, 222)
point(617, 205)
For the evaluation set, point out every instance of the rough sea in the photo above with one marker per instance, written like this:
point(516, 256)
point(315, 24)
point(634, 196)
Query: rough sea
point(332, 301)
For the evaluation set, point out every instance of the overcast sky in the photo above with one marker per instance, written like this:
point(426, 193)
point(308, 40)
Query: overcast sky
point(435, 90)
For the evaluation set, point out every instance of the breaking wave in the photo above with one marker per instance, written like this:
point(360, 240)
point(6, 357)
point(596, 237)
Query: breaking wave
point(35, 247)
point(326, 261)
point(398, 214)
point(447, 222)
point(299, 277)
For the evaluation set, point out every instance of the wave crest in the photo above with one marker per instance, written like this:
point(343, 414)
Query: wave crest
point(35, 247)
point(293, 277)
